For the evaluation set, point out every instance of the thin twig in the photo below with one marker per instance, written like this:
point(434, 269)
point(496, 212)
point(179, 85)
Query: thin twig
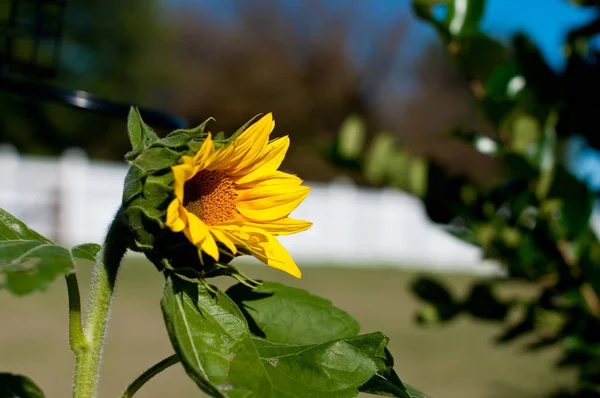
point(148, 374)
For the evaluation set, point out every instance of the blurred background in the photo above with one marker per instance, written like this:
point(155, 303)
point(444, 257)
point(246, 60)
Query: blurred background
point(322, 67)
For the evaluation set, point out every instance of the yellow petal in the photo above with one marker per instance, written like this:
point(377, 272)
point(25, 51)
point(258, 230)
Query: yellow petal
point(220, 158)
point(196, 230)
point(246, 147)
point(257, 133)
point(269, 204)
point(198, 233)
point(209, 246)
point(279, 257)
point(265, 248)
point(204, 154)
point(277, 177)
point(222, 237)
point(173, 220)
point(182, 173)
point(268, 162)
point(285, 226)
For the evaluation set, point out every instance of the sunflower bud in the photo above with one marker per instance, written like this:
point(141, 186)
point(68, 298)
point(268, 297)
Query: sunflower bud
point(193, 202)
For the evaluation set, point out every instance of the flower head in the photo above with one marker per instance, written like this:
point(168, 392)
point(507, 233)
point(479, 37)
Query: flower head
point(231, 198)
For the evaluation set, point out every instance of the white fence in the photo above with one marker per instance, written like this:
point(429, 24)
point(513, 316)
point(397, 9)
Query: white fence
point(72, 199)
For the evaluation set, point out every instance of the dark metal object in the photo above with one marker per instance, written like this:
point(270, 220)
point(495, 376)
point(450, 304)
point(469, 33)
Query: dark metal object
point(30, 33)
point(30, 36)
point(84, 100)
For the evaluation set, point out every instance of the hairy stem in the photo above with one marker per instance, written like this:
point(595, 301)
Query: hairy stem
point(87, 360)
point(148, 374)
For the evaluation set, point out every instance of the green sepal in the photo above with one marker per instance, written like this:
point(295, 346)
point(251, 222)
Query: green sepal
point(141, 135)
point(148, 187)
point(241, 129)
point(133, 184)
point(190, 139)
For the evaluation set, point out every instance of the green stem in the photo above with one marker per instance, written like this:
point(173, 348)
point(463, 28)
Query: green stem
point(148, 374)
point(77, 339)
point(87, 361)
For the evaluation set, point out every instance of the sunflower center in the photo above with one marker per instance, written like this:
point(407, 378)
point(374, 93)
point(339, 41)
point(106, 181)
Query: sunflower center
point(210, 195)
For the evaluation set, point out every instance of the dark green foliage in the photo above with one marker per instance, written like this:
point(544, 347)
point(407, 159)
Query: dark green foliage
point(534, 219)
point(16, 386)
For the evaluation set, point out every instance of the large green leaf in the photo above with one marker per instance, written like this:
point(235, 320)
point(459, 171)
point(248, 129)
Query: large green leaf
point(29, 261)
point(289, 315)
point(285, 314)
point(386, 382)
point(333, 369)
point(16, 386)
point(218, 351)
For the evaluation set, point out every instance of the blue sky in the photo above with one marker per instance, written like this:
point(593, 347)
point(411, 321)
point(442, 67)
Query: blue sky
point(546, 21)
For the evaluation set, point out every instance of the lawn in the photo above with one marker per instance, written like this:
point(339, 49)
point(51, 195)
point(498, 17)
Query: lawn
point(455, 361)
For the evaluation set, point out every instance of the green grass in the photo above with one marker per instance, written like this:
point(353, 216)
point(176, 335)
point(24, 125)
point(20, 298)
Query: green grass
point(458, 360)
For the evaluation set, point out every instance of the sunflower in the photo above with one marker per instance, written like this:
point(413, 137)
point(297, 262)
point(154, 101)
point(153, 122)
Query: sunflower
point(236, 195)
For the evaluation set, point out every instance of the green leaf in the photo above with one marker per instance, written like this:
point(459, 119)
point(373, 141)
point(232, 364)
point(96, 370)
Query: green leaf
point(378, 157)
point(484, 304)
point(414, 393)
point(333, 369)
point(211, 338)
point(351, 137)
point(285, 314)
point(16, 386)
point(538, 74)
point(87, 251)
point(464, 16)
point(386, 382)
point(441, 305)
point(442, 198)
point(478, 56)
point(13, 229)
point(379, 385)
point(422, 9)
point(217, 350)
point(569, 205)
point(28, 260)
point(31, 262)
